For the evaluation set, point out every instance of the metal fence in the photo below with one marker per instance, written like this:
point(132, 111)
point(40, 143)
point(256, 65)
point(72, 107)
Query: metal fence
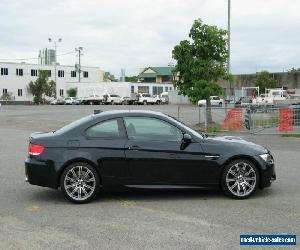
point(256, 120)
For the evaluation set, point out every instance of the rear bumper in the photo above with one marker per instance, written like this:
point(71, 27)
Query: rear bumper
point(41, 173)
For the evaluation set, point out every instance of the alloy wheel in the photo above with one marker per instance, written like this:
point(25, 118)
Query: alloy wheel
point(241, 179)
point(79, 183)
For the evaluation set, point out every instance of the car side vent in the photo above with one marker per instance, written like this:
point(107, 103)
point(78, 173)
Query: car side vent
point(97, 111)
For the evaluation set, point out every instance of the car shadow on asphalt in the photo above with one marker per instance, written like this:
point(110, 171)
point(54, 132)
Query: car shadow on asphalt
point(134, 195)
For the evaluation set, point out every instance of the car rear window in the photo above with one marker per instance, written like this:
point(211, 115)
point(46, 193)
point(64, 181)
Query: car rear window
point(73, 125)
point(105, 129)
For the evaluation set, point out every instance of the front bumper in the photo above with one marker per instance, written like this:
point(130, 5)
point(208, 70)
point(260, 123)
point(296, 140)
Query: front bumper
point(41, 173)
point(267, 175)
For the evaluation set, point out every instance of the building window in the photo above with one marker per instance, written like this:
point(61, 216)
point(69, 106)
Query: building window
point(49, 73)
point(143, 89)
point(4, 71)
point(34, 72)
point(85, 74)
point(132, 89)
point(170, 88)
point(157, 90)
point(166, 89)
point(61, 73)
point(19, 72)
point(73, 73)
point(4, 91)
point(20, 92)
point(61, 92)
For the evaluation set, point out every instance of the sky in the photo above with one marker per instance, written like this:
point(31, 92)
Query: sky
point(133, 34)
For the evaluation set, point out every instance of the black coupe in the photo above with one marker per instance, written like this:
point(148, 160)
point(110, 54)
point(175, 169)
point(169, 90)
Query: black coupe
point(143, 149)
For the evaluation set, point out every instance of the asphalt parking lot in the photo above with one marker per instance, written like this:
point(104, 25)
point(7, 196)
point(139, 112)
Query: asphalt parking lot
point(33, 217)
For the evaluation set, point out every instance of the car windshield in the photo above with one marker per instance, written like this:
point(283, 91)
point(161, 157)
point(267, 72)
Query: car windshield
point(191, 131)
point(72, 125)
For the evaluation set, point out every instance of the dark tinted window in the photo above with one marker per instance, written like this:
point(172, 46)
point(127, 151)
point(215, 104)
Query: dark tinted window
point(106, 129)
point(147, 128)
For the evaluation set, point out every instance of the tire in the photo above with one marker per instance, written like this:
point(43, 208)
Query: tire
point(235, 176)
point(158, 102)
point(145, 102)
point(80, 182)
point(220, 104)
point(112, 102)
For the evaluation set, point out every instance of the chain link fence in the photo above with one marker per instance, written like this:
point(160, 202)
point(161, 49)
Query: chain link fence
point(251, 119)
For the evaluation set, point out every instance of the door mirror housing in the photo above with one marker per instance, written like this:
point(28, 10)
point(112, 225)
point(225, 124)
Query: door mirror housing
point(186, 140)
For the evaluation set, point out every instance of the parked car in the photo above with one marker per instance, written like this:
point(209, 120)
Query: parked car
point(214, 101)
point(130, 100)
point(244, 101)
point(145, 98)
point(71, 101)
point(53, 102)
point(112, 99)
point(143, 149)
point(164, 97)
point(92, 99)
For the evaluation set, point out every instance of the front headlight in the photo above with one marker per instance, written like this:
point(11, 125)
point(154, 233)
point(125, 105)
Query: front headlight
point(267, 158)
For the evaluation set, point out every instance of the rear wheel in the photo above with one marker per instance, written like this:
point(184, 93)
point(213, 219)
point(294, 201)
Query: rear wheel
point(240, 179)
point(145, 102)
point(80, 182)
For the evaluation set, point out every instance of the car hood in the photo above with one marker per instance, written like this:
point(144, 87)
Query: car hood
point(237, 144)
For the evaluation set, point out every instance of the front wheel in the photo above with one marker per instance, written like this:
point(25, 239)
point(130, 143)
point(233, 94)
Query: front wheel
point(145, 102)
point(240, 179)
point(80, 182)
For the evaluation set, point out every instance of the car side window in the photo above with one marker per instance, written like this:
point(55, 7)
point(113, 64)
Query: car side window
point(147, 128)
point(106, 129)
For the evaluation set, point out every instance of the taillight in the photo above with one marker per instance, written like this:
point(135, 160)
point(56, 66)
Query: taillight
point(36, 149)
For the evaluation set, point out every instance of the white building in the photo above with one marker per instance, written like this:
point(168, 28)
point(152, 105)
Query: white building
point(15, 77)
point(121, 88)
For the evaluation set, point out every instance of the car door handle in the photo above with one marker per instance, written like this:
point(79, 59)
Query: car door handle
point(174, 155)
point(134, 148)
point(212, 157)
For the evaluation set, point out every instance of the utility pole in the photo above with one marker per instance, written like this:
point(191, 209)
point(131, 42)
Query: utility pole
point(228, 43)
point(79, 50)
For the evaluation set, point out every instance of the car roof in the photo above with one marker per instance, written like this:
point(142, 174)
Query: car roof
point(129, 112)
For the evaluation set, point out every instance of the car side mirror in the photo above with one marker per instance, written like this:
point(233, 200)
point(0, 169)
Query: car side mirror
point(186, 140)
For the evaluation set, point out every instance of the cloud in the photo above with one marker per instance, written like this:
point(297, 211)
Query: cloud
point(136, 33)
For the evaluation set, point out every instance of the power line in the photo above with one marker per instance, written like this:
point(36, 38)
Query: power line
point(33, 58)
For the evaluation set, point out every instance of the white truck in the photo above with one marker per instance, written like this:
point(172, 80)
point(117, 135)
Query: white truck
point(214, 101)
point(164, 97)
point(145, 98)
point(112, 99)
point(271, 96)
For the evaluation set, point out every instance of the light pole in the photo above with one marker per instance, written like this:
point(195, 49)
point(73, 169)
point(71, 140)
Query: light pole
point(79, 50)
point(228, 44)
point(55, 41)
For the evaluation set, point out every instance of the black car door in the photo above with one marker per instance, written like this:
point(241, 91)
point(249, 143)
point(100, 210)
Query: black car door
point(155, 156)
point(106, 143)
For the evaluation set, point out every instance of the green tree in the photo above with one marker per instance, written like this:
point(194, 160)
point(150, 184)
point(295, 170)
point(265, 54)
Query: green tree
point(131, 78)
point(6, 97)
point(39, 86)
point(72, 92)
point(201, 63)
point(264, 81)
point(50, 89)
